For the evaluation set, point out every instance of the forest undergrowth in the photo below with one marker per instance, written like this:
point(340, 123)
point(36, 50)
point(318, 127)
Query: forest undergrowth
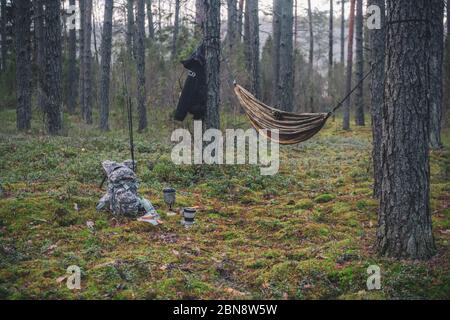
point(305, 233)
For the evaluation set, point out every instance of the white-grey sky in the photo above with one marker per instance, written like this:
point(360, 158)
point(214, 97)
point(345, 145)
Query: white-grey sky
point(188, 9)
point(302, 4)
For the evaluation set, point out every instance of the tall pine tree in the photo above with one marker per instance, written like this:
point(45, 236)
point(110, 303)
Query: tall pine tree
point(140, 62)
point(22, 28)
point(105, 68)
point(212, 46)
point(377, 49)
point(404, 221)
point(51, 80)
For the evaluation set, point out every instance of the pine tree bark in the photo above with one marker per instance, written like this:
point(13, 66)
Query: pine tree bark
point(4, 43)
point(240, 15)
point(94, 38)
point(72, 69)
point(446, 104)
point(231, 25)
point(343, 33)
point(176, 28)
point(348, 82)
point(436, 69)
point(81, 54)
point(330, 48)
point(200, 17)
point(105, 67)
point(276, 31)
point(253, 12)
point(266, 72)
point(404, 221)
point(448, 20)
point(151, 27)
point(160, 18)
point(87, 59)
point(295, 24)
point(359, 32)
point(286, 81)
point(212, 48)
point(51, 81)
point(311, 59)
point(22, 28)
point(140, 61)
point(247, 40)
point(130, 28)
point(377, 49)
point(39, 35)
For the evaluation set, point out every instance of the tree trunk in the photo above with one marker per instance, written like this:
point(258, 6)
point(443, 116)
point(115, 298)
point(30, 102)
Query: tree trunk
point(51, 81)
point(212, 48)
point(311, 35)
point(342, 33)
point(176, 28)
point(436, 66)
point(39, 34)
point(231, 25)
point(448, 18)
point(446, 105)
point(72, 69)
point(377, 49)
point(330, 49)
point(247, 40)
point(94, 34)
point(311, 59)
point(200, 17)
point(348, 82)
point(105, 67)
point(159, 19)
point(404, 222)
point(22, 23)
point(87, 59)
point(81, 53)
point(140, 60)
point(4, 43)
point(240, 15)
point(151, 27)
point(266, 71)
point(359, 97)
point(276, 30)
point(254, 45)
point(286, 81)
point(295, 25)
point(130, 28)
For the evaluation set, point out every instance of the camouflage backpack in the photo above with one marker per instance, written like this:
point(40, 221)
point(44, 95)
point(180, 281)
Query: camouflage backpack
point(122, 197)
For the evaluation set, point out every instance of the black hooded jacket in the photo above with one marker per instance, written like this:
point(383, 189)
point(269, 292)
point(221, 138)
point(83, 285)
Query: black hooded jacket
point(193, 95)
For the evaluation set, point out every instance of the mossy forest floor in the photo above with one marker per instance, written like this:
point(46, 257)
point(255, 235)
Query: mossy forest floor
point(305, 233)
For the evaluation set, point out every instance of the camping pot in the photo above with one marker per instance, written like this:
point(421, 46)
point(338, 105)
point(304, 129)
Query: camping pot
point(169, 196)
point(189, 216)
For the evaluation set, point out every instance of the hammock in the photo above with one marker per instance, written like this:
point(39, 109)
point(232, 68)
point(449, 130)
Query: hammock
point(293, 127)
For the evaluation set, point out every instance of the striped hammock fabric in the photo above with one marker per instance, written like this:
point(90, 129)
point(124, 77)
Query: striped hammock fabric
point(293, 127)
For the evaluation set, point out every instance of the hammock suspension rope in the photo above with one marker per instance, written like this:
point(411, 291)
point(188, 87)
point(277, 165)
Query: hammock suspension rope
point(293, 127)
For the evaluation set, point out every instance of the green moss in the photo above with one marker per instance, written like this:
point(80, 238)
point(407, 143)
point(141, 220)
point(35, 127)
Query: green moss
point(323, 198)
point(304, 204)
point(324, 231)
point(341, 207)
point(230, 235)
point(271, 254)
point(301, 234)
point(196, 287)
point(258, 264)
